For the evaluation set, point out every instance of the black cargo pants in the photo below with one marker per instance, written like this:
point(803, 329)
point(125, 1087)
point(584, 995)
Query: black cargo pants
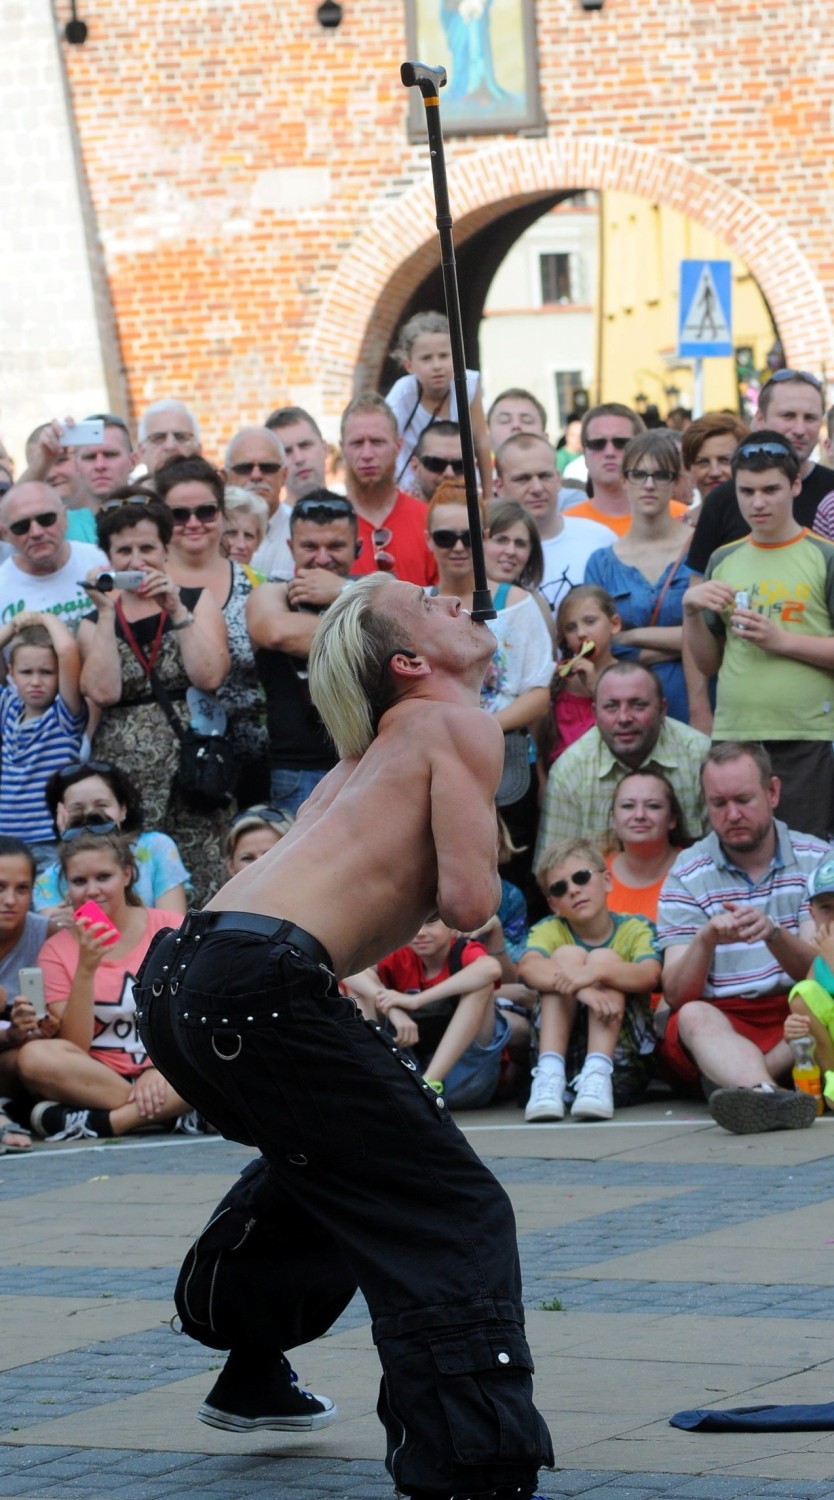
point(243, 1016)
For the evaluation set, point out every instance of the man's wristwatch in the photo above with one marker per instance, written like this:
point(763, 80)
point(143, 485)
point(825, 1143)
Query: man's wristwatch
point(181, 624)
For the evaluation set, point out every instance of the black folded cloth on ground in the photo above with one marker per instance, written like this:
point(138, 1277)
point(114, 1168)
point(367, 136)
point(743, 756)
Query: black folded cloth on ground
point(799, 1418)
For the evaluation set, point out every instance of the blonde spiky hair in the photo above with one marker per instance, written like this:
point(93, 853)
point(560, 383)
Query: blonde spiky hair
point(351, 650)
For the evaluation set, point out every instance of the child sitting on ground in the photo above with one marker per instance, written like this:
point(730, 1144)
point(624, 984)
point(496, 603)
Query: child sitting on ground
point(594, 971)
point(42, 720)
point(812, 1000)
point(444, 984)
point(426, 394)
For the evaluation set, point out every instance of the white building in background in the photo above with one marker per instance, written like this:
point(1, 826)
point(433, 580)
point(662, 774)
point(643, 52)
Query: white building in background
point(539, 328)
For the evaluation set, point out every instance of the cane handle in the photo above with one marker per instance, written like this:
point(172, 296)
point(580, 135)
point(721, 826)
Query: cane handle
point(427, 79)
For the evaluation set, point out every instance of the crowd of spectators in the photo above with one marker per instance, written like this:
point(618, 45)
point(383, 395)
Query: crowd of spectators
point(663, 675)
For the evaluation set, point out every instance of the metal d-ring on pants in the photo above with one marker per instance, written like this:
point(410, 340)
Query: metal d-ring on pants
point(243, 1016)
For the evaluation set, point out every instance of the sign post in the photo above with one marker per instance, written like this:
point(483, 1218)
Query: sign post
point(704, 318)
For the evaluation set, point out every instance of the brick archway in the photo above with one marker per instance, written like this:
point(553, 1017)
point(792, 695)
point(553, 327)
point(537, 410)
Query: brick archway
point(399, 246)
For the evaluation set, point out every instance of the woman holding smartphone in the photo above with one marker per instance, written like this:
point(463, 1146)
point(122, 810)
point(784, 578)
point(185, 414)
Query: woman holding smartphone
point(94, 1078)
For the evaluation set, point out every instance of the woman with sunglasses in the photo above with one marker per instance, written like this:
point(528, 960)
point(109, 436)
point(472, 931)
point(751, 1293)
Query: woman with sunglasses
point(516, 686)
point(181, 635)
point(94, 1078)
point(92, 790)
point(645, 572)
point(194, 494)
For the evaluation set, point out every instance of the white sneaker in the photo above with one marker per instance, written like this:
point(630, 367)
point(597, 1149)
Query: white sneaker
point(594, 1096)
point(547, 1097)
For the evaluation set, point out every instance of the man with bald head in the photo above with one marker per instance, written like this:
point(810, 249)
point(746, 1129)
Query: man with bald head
point(255, 460)
point(44, 568)
point(167, 430)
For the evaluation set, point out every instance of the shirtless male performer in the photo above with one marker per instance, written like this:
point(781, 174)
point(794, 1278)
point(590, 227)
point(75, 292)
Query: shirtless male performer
point(241, 1012)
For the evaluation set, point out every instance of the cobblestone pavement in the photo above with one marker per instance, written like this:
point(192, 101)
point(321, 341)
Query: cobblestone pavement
point(666, 1265)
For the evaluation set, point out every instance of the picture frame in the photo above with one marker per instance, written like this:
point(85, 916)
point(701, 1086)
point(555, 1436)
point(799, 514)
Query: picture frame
point(489, 51)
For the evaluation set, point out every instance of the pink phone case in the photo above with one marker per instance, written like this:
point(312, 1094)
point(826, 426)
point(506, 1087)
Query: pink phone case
point(94, 913)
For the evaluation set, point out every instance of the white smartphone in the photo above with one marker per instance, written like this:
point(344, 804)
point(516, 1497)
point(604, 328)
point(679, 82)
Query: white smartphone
point(31, 988)
point(83, 434)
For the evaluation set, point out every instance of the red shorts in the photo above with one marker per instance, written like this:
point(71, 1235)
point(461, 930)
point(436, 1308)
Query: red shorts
point(761, 1021)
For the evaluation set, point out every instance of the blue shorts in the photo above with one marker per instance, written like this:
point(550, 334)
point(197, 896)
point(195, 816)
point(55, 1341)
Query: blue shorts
point(472, 1082)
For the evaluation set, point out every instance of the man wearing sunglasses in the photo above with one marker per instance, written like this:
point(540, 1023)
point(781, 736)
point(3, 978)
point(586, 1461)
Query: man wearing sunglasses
point(437, 457)
point(255, 460)
point(44, 569)
point(606, 432)
point(367, 1166)
point(792, 403)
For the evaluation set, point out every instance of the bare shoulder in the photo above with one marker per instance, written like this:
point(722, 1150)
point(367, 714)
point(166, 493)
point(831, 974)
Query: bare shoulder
point(469, 733)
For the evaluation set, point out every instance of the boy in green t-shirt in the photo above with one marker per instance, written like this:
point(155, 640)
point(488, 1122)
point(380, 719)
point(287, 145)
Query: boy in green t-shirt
point(762, 618)
point(594, 972)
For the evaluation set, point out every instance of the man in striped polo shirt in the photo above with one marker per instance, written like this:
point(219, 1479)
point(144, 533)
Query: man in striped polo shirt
point(735, 928)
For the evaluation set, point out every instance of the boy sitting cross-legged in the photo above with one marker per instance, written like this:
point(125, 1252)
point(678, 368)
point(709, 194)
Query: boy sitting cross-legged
point(594, 971)
point(438, 994)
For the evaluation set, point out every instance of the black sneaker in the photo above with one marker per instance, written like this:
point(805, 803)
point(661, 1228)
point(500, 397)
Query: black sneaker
point(750, 1111)
point(278, 1403)
point(57, 1122)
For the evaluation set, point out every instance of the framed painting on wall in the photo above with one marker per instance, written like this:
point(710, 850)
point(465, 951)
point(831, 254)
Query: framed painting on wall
point(488, 48)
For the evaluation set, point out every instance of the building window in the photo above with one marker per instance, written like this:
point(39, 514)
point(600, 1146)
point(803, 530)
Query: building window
point(556, 278)
point(568, 388)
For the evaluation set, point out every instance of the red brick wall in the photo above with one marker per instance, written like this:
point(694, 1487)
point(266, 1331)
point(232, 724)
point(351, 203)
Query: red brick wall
point(719, 107)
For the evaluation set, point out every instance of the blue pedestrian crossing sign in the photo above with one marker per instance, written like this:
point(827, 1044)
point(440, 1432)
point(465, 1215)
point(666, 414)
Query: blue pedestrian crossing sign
point(705, 324)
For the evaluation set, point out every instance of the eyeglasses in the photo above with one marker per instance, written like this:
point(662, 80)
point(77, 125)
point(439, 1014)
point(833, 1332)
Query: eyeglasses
point(597, 445)
point(447, 539)
point(559, 888)
point(381, 538)
point(780, 376)
point(437, 465)
point(246, 469)
point(45, 519)
point(277, 815)
point(659, 476)
point(156, 439)
point(750, 449)
point(181, 514)
point(105, 826)
point(322, 510)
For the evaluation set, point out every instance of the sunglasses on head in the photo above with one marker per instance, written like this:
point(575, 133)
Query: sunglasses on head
point(440, 465)
point(89, 767)
point(322, 511)
point(447, 539)
point(780, 376)
point(106, 825)
point(597, 445)
point(660, 476)
point(181, 514)
point(139, 499)
point(381, 537)
point(559, 888)
point(277, 815)
point(45, 519)
point(272, 467)
point(751, 448)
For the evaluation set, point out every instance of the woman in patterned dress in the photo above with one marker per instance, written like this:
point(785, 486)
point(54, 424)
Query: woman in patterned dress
point(194, 494)
point(182, 634)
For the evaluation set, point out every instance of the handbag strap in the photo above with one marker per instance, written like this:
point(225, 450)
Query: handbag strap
point(670, 577)
point(147, 663)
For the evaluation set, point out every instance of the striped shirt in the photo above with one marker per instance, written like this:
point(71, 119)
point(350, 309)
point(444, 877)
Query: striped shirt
point(702, 878)
point(31, 749)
